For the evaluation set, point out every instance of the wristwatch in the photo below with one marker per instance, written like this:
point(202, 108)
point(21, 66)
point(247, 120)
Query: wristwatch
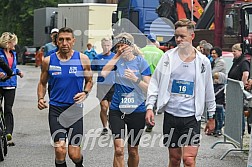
point(211, 116)
point(86, 92)
point(138, 80)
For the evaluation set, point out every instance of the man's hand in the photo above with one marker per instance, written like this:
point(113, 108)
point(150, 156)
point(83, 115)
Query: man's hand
point(149, 117)
point(42, 104)
point(248, 84)
point(80, 97)
point(210, 126)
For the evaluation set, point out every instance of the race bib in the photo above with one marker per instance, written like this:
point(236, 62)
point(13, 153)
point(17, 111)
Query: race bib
point(128, 101)
point(182, 87)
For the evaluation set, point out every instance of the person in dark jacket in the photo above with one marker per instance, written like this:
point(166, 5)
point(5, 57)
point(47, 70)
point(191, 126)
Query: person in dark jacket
point(8, 88)
point(219, 90)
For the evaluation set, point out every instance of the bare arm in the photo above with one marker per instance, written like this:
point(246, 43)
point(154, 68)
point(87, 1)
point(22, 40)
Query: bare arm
point(111, 64)
point(245, 76)
point(41, 90)
point(143, 84)
point(88, 75)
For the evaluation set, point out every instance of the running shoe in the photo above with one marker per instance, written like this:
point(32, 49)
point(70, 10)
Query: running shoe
point(104, 131)
point(9, 137)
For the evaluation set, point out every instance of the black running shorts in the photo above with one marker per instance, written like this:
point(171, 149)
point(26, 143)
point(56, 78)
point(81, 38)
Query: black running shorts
point(66, 122)
point(180, 131)
point(105, 92)
point(135, 124)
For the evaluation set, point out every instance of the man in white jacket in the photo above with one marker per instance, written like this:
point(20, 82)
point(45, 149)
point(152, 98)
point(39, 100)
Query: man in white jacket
point(182, 86)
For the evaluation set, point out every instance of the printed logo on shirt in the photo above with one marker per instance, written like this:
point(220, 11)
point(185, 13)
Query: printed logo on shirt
point(2, 56)
point(56, 73)
point(54, 68)
point(72, 70)
point(203, 68)
point(166, 63)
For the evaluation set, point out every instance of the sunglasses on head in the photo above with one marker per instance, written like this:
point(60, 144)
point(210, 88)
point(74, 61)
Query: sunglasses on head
point(123, 40)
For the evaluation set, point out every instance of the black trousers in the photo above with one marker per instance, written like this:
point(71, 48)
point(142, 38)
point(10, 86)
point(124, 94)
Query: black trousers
point(8, 95)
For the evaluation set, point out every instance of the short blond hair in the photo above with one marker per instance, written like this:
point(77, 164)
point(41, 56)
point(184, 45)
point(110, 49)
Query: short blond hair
point(185, 23)
point(237, 47)
point(7, 37)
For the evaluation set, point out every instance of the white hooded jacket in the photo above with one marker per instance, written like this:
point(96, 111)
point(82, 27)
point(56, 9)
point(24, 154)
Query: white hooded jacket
point(204, 92)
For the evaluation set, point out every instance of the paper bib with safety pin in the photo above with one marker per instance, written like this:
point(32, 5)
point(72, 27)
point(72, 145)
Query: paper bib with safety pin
point(128, 101)
point(182, 88)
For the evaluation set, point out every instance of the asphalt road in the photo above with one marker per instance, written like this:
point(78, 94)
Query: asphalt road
point(32, 138)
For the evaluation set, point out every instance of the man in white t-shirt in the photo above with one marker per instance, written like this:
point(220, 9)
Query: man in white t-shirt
point(182, 85)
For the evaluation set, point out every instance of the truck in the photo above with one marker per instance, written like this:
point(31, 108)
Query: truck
point(90, 22)
point(155, 16)
point(139, 18)
point(44, 20)
point(219, 22)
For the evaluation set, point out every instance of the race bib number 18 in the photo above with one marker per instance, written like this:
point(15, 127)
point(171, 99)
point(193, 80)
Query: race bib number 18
point(182, 87)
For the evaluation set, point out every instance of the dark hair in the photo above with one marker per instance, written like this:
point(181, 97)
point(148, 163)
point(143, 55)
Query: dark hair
point(217, 50)
point(66, 29)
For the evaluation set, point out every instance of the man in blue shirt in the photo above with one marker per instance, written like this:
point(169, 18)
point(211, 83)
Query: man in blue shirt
point(51, 45)
point(105, 89)
point(68, 70)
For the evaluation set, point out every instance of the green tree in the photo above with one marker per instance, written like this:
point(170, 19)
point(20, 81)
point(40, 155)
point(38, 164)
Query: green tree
point(16, 16)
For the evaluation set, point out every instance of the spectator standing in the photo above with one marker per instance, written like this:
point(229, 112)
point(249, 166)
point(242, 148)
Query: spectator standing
point(241, 66)
point(218, 64)
point(151, 52)
point(90, 52)
point(200, 46)
point(182, 85)
point(8, 88)
point(220, 77)
point(206, 51)
point(239, 70)
point(132, 75)
point(105, 88)
point(68, 70)
point(51, 45)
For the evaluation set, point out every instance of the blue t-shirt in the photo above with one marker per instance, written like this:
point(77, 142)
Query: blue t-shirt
point(48, 47)
point(66, 79)
point(98, 63)
point(128, 96)
point(90, 53)
point(52, 51)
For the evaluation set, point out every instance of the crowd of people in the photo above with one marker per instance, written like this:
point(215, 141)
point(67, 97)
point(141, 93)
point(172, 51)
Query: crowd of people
point(133, 84)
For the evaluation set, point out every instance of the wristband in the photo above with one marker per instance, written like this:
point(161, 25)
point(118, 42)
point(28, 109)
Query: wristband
point(138, 81)
point(86, 92)
point(211, 117)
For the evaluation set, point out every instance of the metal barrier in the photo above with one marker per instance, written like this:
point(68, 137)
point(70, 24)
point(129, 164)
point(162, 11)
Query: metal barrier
point(233, 117)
